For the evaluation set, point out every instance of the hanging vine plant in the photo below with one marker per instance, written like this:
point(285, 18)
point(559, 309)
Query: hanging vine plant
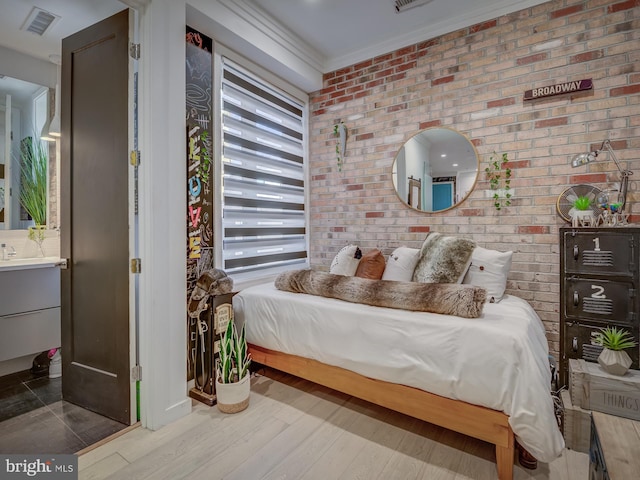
point(499, 176)
point(340, 131)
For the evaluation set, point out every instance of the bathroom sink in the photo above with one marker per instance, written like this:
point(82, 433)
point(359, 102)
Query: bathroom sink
point(24, 263)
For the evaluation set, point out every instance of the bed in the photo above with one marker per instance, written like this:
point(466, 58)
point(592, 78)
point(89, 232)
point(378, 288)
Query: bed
point(486, 377)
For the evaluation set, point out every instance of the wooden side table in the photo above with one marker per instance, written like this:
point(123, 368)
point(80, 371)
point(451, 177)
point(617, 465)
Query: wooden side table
point(615, 448)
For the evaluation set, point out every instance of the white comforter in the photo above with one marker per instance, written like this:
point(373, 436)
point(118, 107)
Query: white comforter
point(499, 360)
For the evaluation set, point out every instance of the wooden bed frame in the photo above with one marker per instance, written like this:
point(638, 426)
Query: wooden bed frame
point(473, 420)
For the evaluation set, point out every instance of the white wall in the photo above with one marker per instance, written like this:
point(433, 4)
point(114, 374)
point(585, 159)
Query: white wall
point(162, 202)
point(27, 68)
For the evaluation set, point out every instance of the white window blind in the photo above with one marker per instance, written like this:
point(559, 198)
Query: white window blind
point(264, 221)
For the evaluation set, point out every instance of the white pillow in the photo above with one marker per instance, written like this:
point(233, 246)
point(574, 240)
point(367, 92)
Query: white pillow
point(489, 269)
point(401, 264)
point(346, 261)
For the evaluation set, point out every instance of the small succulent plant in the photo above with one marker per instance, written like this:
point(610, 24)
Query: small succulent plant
point(582, 203)
point(615, 339)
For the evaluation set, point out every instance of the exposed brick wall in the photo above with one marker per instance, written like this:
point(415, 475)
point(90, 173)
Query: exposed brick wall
point(473, 80)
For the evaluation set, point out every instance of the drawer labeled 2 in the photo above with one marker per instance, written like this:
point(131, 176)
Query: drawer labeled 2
point(599, 299)
point(594, 252)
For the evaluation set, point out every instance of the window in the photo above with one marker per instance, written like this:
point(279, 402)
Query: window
point(263, 176)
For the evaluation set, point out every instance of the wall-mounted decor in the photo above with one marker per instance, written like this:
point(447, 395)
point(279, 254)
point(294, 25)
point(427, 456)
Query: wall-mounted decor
point(559, 89)
point(340, 131)
point(199, 215)
point(443, 162)
point(499, 176)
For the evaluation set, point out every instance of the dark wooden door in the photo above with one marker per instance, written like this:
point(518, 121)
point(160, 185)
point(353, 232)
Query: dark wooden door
point(95, 218)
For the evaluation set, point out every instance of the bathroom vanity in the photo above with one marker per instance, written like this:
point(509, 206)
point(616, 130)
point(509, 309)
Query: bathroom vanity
point(29, 306)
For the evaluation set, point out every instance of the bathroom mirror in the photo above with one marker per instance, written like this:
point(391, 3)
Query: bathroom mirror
point(23, 113)
point(435, 169)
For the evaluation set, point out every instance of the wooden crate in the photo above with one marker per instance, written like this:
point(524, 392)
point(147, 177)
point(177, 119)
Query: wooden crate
point(594, 389)
point(576, 425)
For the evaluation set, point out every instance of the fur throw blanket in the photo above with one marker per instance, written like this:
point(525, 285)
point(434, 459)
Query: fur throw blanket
point(445, 298)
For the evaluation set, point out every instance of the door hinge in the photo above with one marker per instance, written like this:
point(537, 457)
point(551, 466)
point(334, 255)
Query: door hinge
point(136, 265)
point(134, 158)
point(136, 373)
point(134, 51)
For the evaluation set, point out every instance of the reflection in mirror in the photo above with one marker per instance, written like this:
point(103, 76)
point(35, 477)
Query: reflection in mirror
point(435, 169)
point(23, 113)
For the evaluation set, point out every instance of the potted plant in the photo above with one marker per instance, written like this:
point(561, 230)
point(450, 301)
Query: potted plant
point(581, 211)
point(613, 359)
point(33, 187)
point(232, 371)
point(499, 180)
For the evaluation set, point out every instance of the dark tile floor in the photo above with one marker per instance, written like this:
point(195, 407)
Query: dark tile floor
point(35, 420)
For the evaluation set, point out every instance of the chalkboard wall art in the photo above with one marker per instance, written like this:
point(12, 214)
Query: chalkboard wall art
point(199, 214)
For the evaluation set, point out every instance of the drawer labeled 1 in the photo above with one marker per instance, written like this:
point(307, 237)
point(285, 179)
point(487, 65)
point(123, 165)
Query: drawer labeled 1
point(605, 300)
point(600, 253)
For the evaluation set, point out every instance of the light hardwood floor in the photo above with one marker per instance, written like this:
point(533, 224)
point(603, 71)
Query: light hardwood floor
point(297, 430)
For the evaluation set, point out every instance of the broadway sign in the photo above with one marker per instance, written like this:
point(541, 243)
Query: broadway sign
point(559, 89)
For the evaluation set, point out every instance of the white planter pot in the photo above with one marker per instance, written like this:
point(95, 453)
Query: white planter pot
point(233, 397)
point(614, 362)
point(580, 218)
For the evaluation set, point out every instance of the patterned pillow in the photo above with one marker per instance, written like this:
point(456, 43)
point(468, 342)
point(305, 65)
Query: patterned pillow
point(401, 264)
point(346, 261)
point(371, 265)
point(443, 259)
point(489, 269)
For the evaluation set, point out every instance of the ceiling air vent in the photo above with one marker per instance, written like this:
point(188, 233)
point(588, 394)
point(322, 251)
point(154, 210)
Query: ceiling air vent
point(402, 5)
point(39, 21)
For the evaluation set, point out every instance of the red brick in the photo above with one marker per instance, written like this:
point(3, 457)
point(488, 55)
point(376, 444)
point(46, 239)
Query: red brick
point(374, 83)
point(586, 56)
point(483, 26)
point(319, 177)
point(361, 65)
point(588, 178)
point(384, 73)
point(551, 122)
point(395, 108)
point(501, 103)
point(534, 229)
point(374, 214)
point(538, 57)
point(344, 71)
point(628, 90)
point(428, 43)
point(518, 164)
point(364, 136)
point(419, 229)
point(432, 123)
point(563, 12)
point(338, 229)
point(623, 6)
point(396, 77)
point(405, 51)
point(441, 80)
point(357, 186)
point(406, 66)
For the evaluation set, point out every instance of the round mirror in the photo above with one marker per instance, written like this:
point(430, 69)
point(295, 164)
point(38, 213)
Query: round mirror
point(435, 170)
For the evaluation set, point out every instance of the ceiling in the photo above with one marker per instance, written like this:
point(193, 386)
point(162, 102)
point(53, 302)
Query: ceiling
point(346, 32)
point(336, 29)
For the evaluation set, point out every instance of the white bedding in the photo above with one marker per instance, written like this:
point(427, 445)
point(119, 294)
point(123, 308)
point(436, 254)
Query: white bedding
point(499, 360)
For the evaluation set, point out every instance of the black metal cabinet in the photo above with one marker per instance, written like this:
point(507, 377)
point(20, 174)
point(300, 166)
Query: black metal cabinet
point(599, 287)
